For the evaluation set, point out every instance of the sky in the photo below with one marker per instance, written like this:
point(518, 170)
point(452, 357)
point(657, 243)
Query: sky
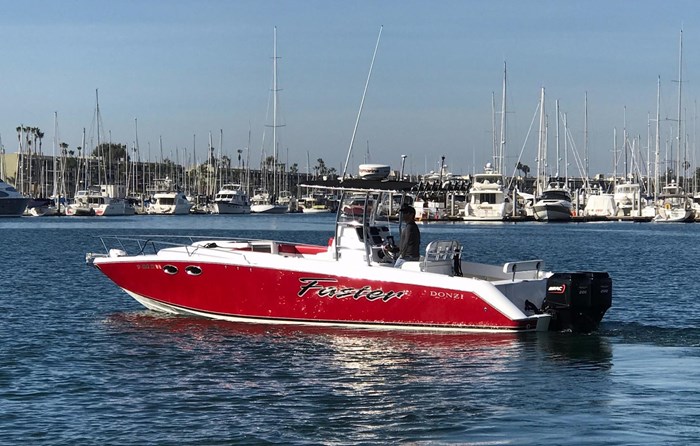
point(180, 70)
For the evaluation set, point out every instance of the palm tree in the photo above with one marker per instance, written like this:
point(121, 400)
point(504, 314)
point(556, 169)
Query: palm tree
point(40, 136)
point(226, 166)
point(321, 167)
point(523, 168)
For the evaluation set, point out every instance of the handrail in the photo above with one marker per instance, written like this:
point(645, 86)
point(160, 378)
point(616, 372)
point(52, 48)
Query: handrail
point(139, 243)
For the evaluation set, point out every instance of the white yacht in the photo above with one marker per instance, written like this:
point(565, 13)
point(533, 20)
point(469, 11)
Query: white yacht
point(231, 199)
point(169, 203)
point(696, 206)
point(628, 199)
point(12, 203)
point(674, 205)
point(93, 202)
point(315, 204)
point(600, 205)
point(554, 204)
point(487, 199)
point(263, 203)
point(169, 200)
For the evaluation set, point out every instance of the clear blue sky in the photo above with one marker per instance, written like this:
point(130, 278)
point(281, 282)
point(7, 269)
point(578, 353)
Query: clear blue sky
point(185, 68)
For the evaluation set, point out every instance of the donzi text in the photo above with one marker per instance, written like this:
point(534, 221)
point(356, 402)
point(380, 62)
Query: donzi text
point(321, 287)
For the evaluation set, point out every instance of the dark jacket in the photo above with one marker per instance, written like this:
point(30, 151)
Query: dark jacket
point(409, 244)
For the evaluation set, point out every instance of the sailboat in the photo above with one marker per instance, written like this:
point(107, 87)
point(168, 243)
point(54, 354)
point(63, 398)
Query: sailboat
point(674, 204)
point(105, 199)
point(553, 202)
point(263, 201)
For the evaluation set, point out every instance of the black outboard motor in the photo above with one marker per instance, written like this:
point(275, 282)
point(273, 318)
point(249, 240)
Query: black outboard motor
point(577, 301)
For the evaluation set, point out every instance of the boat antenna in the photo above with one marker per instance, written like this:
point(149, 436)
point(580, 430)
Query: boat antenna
point(362, 102)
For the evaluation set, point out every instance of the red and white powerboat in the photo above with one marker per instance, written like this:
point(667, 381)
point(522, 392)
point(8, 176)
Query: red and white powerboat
point(351, 281)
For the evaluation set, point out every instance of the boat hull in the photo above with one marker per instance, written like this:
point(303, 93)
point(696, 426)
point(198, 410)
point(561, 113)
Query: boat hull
point(119, 208)
point(222, 207)
point(268, 209)
point(316, 210)
point(74, 210)
point(178, 209)
point(674, 215)
point(260, 294)
point(555, 211)
point(13, 207)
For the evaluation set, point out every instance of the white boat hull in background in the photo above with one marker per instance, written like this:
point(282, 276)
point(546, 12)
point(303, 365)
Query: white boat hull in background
point(268, 209)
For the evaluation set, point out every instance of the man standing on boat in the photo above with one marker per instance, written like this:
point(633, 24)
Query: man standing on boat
point(409, 243)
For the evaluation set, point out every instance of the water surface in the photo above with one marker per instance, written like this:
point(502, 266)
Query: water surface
point(83, 363)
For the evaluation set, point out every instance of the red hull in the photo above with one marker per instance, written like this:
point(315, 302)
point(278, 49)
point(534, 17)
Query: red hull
point(274, 294)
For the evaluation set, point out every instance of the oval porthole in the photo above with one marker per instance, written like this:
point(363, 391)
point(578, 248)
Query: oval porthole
point(170, 269)
point(193, 270)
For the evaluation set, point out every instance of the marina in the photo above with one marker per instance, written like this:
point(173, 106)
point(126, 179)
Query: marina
point(83, 360)
point(358, 223)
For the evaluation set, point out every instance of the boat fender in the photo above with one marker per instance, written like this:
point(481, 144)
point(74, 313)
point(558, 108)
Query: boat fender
point(116, 252)
point(667, 205)
point(211, 245)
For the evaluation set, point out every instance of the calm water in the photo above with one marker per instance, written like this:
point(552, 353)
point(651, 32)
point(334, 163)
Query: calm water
point(83, 363)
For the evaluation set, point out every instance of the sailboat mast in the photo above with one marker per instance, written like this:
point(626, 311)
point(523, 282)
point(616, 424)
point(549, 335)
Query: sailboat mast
point(85, 162)
point(585, 136)
point(197, 175)
point(494, 141)
point(647, 188)
point(53, 152)
point(658, 139)
point(680, 90)
point(502, 148)
point(541, 149)
point(614, 157)
point(558, 157)
point(221, 144)
point(274, 114)
point(566, 151)
point(247, 164)
point(624, 138)
point(210, 165)
point(99, 149)
point(137, 153)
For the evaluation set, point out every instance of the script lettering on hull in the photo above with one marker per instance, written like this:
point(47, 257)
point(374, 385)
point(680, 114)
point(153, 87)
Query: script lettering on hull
point(321, 287)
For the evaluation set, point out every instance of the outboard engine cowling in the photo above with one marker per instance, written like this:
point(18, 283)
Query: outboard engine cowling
point(577, 301)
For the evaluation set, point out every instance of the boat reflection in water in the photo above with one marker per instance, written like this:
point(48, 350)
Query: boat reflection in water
point(366, 352)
